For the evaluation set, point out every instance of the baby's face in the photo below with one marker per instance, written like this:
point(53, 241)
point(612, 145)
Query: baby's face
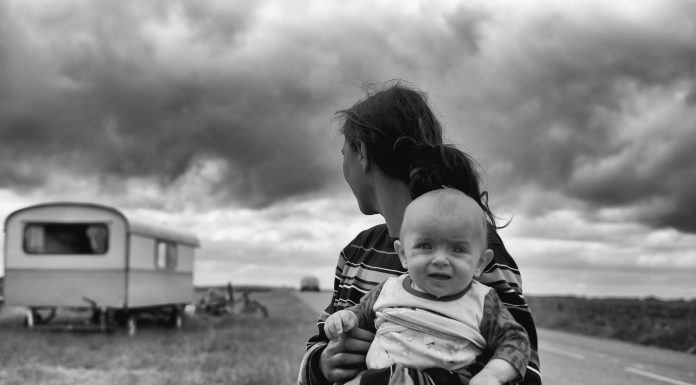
point(442, 251)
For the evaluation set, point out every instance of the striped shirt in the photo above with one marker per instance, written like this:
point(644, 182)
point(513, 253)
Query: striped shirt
point(370, 259)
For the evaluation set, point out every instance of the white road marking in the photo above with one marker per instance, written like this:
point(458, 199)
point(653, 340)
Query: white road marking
point(657, 376)
point(563, 352)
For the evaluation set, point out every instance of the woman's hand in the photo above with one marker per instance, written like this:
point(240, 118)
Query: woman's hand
point(344, 358)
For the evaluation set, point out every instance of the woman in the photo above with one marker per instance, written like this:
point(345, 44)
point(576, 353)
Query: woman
point(392, 153)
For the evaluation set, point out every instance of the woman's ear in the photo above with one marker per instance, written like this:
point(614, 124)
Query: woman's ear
point(364, 160)
point(401, 252)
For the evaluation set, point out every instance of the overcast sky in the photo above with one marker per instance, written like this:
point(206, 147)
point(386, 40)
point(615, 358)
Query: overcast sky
point(218, 117)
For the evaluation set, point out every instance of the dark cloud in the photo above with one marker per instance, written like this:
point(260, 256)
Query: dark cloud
point(596, 106)
point(101, 100)
point(655, 174)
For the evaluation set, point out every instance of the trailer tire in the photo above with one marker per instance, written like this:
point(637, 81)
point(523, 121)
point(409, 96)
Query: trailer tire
point(178, 320)
point(29, 319)
point(176, 317)
point(132, 325)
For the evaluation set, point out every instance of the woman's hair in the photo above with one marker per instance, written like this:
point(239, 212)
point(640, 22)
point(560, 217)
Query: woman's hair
point(436, 166)
point(383, 117)
point(403, 138)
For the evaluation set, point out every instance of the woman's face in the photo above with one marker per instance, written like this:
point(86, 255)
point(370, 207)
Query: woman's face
point(357, 179)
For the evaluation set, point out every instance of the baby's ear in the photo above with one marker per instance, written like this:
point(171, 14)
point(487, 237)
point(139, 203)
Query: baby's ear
point(402, 253)
point(484, 260)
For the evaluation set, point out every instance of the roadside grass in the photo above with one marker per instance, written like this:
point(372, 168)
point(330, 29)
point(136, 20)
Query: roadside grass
point(669, 324)
point(231, 349)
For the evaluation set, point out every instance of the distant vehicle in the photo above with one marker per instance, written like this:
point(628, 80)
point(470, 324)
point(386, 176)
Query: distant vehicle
point(92, 257)
point(309, 283)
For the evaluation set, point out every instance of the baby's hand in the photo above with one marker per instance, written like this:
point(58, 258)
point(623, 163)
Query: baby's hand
point(340, 322)
point(496, 372)
point(484, 380)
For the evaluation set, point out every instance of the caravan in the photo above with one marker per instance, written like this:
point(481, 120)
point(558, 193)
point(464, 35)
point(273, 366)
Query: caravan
point(90, 256)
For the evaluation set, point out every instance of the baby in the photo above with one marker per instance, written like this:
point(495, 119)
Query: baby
point(437, 315)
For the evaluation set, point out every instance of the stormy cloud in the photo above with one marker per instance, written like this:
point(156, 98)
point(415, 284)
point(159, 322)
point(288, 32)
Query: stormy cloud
point(99, 92)
point(595, 105)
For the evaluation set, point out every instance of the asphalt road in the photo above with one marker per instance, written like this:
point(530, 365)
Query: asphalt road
point(569, 359)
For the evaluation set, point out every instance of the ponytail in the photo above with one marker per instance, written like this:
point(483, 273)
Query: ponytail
point(434, 166)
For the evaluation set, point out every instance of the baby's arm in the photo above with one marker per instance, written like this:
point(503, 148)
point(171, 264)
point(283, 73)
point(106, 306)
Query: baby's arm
point(340, 322)
point(507, 341)
point(496, 372)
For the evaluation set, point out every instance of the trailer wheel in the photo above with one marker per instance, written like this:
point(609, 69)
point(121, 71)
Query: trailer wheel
point(29, 319)
point(131, 325)
point(178, 320)
point(176, 317)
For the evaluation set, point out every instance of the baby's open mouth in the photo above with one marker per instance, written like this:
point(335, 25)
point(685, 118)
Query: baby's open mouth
point(439, 276)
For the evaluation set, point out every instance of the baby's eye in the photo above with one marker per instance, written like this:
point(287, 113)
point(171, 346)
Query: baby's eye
point(459, 250)
point(422, 245)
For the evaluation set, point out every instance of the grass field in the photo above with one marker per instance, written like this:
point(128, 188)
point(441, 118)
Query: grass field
point(651, 322)
point(232, 349)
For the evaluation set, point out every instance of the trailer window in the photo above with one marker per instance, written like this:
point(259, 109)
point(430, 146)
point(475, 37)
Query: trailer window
point(166, 257)
point(66, 238)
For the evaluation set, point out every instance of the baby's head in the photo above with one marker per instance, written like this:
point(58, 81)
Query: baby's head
point(443, 242)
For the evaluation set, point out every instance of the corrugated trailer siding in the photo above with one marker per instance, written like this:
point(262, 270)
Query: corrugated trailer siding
point(64, 287)
point(186, 255)
point(154, 288)
point(143, 252)
point(150, 286)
